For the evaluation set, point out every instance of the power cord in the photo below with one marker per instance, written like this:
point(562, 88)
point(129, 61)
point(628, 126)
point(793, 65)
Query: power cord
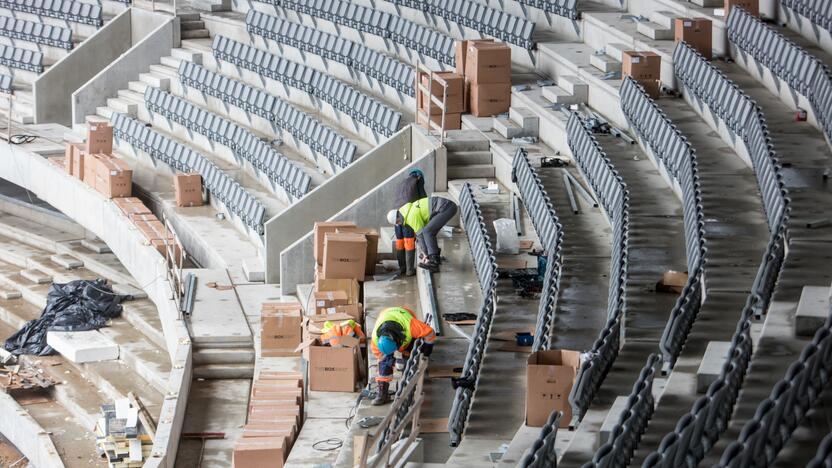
point(328, 445)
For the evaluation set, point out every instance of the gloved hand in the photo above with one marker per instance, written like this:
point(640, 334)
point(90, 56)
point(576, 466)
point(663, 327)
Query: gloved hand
point(427, 348)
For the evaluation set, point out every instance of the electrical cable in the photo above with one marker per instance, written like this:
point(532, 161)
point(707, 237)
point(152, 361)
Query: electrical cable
point(334, 444)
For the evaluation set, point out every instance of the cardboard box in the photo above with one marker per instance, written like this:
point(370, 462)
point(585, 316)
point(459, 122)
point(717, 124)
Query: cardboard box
point(90, 169)
point(132, 207)
point(187, 189)
point(345, 256)
point(641, 65)
point(489, 99)
point(454, 100)
point(672, 281)
point(280, 332)
point(326, 301)
point(162, 247)
point(697, 32)
point(266, 376)
point(74, 160)
point(452, 121)
point(319, 234)
point(651, 87)
point(99, 138)
point(750, 6)
point(349, 286)
point(261, 393)
point(550, 376)
point(462, 53)
point(267, 429)
point(488, 63)
point(356, 311)
point(274, 413)
point(113, 177)
point(372, 246)
point(333, 369)
point(260, 452)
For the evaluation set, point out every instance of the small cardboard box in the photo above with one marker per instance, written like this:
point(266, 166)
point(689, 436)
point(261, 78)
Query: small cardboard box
point(550, 376)
point(266, 376)
point(356, 311)
point(641, 65)
point(750, 6)
point(345, 256)
point(461, 53)
point(260, 393)
point(653, 88)
point(260, 452)
point(187, 189)
point(326, 301)
point(132, 207)
point(697, 32)
point(271, 430)
point(488, 63)
point(372, 246)
point(89, 169)
point(162, 245)
point(333, 369)
point(487, 100)
point(113, 177)
point(280, 331)
point(672, 281)
point(74, 160)
point(452, 121)
point(349, 286)
point(320, 231)
point(99, 138)
point(454, 100)
point(274, 413)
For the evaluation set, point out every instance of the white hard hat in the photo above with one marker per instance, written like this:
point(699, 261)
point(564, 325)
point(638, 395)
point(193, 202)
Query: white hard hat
point(391, 216)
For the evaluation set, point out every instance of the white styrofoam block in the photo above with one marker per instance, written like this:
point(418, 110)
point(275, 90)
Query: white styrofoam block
point(711, 365)
point(812, 310)
point(84, 346)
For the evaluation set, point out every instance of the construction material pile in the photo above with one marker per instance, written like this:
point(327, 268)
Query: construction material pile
point(122, 435)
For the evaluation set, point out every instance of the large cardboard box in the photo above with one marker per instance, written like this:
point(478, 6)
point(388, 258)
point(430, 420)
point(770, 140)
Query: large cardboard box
point(187, 189)
point(280, 331)
point(349, 286)
point(356, 311)
point(270, 377)
point(550, 376)
point(74, 160)
point(461, 53)
point(287, 430)
point(454, 100)
point(274, 413)
point(319, 234)
point(89, 169)
point(333, 369)
point(372, 246)
point(99, 138)
point(641, 65)
point(113, 177)
point(750, 6)
point(345, 256)
point(326, 301)
point(452, 121)
point(490, 99)
point(260, 452)
point(488, 63)
point(697, 32)
point(132, 207)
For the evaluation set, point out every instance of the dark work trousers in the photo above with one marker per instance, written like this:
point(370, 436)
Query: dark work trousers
point(388, 362)
point(441, 211)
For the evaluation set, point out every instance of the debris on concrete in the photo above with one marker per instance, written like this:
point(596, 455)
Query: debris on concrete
point(121, 437)
point(23, 378)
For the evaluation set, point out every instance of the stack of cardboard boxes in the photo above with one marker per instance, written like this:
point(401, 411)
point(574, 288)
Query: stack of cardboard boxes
point(280, 328)
point(149, 225)
point(696, 32)
point(751, 6)
point(94, 163)
point(275, 417)
point(454, 99)
point(645, 68)
point(486, 66)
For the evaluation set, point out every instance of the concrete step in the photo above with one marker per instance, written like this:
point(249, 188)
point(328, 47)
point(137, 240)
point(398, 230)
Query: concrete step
point(184, 17)
point(185, 54)
point(507, 128)
point(125, 107)
point(67, 261)
point(164, 71)
point(154, 80)
point(223, 356)
point(131, 96)
point(94, 119)
point(195, 34)
point(211, 5)
point(189, 25)
point(616, 50)
point(556, 95)
point(654, 31)
point(466, 140)
point(665, 19)
point(172, 62)
point(96, 246)
point(137, 86)
point(104, 112)
point(708, 3)
point(575, 86)
point(224, 371)
point(604, 63)
point(465, 158)
point(472, 171)
point(36, 276)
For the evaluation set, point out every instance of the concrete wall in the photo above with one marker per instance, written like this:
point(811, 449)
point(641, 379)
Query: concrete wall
point(26, 434)
point(101, 217)
point(336, 193)
point(132, 57)
point(52, 90)
point(297, 262)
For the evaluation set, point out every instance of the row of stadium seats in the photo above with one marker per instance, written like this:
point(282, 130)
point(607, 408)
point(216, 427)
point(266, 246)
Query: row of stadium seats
point(819, 12)
point(38, 33)
point(67, 10)
point(322, 139)
point(242, 142)
point(23, 59)
point(181, 158)
point(611, 193)
point(341, 96)
point(382, 67)
point(412, 35)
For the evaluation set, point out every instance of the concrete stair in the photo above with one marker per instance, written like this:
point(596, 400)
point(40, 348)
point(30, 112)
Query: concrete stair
point(472, 171)
point(209, 356)
point(122, 106)
point(224, 371)
point(469, 155)
point(151, 79)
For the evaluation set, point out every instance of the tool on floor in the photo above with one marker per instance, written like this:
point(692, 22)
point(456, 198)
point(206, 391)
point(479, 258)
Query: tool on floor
point(572, 202)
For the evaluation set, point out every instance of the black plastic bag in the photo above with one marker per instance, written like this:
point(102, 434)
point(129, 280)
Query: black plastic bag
point(75, 306)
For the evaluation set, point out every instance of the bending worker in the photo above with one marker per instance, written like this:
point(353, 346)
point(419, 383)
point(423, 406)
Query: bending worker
point(395, 330)
point(421, 221)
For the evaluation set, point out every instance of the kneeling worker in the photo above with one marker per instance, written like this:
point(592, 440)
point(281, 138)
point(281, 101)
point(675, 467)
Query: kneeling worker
point(396, 329)
point(422, 219)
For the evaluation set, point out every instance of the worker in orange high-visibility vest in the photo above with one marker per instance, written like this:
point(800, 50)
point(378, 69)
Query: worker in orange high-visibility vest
point(396, 329)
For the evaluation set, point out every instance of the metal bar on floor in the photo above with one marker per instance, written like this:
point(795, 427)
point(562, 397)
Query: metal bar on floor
point(572, 202)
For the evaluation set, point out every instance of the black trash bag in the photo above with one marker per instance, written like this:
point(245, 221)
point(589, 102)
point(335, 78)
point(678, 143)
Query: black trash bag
point(79, 305)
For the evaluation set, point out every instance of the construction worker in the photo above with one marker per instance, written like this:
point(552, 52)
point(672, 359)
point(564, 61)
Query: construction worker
point(412, 188)
point(396, 329)
point(422, 220)
point(332, 332)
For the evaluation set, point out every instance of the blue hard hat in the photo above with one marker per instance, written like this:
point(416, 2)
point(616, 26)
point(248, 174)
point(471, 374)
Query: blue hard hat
point(386, 345)
point(417, 173)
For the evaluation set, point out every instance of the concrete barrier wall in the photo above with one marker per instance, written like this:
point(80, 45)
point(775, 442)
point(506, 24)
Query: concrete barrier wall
point(134, 55)
point(332, 196)
point(101, 217)
point(27, 435)
point(297, 262)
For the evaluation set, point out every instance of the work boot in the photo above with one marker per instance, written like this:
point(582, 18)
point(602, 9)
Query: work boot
point(401, 256)
point(432, 265)
point(382, 394)
point(411, 262)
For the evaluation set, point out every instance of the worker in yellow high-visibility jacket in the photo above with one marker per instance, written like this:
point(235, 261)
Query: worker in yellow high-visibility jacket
point(396, 329)
point(420, 221)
